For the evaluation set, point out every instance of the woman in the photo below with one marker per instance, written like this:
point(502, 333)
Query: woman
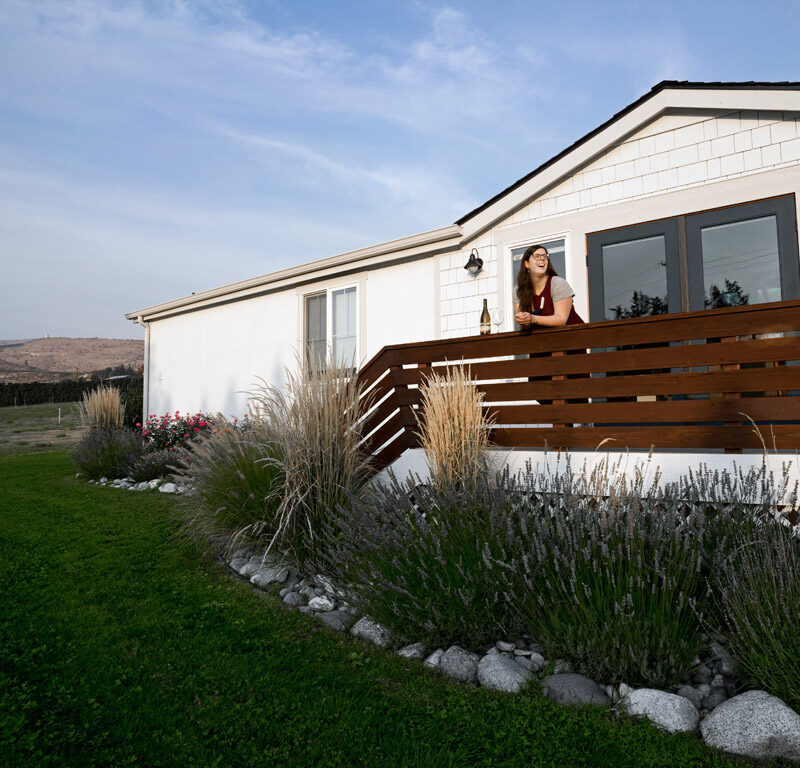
point(543, 298)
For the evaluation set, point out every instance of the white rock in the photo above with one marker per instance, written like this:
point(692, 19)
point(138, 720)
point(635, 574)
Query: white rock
point(255, 563)
point(372, 631)
point(756, 725)
point(624, 690)
point(270, 574)
point(537, 661)
point(168, 488)
point(413, 651)
point(155, 483)
point(103, 480)
point(668, 711)
point(501, 673)
point(505, 647)
point(433, 660)
point(460, 664)
point(321, 603)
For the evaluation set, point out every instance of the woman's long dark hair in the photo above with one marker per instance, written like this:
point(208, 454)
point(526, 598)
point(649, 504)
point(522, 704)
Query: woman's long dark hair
point(525, 290)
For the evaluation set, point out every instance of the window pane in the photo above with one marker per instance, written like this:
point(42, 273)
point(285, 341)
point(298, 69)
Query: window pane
point(315, 330)
point(556, 250)
point(344, 327)
point(740, 263)
point(635, 278)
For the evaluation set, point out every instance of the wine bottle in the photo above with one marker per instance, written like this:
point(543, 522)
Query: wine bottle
point(486, 320)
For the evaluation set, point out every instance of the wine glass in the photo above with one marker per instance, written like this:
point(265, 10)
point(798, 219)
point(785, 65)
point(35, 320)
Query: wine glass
point(497, 319)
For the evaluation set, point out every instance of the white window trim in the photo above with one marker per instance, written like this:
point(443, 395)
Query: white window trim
point(329, 289)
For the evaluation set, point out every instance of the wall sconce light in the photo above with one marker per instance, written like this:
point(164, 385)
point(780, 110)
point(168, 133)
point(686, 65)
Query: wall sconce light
point(475, 263)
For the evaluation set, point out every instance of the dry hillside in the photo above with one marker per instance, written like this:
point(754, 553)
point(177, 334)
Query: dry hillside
point(52, 359)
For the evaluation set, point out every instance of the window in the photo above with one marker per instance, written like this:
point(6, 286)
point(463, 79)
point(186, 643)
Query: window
point(745, 254)
point(331, 323)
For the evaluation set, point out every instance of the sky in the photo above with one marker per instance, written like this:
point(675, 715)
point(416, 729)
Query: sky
point(149, 150)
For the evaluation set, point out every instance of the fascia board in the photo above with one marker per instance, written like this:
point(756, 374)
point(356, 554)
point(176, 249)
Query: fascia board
point(733, 99)
point(414, 246)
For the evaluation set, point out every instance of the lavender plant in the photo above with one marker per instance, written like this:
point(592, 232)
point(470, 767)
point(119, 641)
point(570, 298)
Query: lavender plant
point(426, 560)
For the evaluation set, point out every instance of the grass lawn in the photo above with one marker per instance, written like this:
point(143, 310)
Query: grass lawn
point(26, 428)
point(122, 644)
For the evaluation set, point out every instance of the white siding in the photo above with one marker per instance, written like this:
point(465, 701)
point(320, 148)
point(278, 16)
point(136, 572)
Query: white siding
point(206, 360)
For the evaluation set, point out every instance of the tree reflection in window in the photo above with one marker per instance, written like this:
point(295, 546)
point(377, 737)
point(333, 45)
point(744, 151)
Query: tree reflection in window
point(641, 305)
point(732, 296)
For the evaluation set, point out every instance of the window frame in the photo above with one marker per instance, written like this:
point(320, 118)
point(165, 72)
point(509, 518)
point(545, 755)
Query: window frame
point(328, 292)
point(685, 291)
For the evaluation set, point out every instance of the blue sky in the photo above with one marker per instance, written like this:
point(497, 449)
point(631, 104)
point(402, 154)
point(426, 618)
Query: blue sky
point(149, 150)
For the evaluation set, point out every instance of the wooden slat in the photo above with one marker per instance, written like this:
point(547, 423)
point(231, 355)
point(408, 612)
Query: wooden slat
point(384, 433)
point(747, 380)
point(378, 415)
point(694, 437)
point(393, 451)
point(772, 409)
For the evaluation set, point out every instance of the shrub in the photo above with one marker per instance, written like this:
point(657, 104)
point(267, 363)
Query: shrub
point(453, 429)
point(233, 483)
point(173, 431)
point(154, 464)
point(432, 563)
point(107, 452)
point(314, 451)
point(102, 407)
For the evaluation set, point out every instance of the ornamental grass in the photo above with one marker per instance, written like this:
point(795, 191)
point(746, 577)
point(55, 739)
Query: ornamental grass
point(315, 452)
point(234, 502)
point(102, 407)
point(453, 429)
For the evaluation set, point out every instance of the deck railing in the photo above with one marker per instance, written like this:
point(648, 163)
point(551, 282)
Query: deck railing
point(692, 381)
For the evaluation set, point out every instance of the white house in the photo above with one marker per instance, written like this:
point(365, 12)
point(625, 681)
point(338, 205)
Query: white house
point(688, 197)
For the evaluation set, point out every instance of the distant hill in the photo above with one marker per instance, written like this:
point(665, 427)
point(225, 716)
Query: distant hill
point(52, 359)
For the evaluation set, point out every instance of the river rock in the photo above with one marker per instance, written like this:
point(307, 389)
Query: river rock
point(294, 599)
point(270, 574)
point(323, 604)
point(668, 711)
point(433, 660)
point(460, 664)
point(569, 688)
point(372, 631)
point(341, 621)
point(413, 651)
point(756, 725)
point(501, 673)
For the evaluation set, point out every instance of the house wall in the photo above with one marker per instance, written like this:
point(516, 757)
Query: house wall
point(678, 164)
point(207, 360)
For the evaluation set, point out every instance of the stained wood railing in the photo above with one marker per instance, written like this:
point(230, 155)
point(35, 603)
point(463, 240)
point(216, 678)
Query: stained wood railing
point(692, 381)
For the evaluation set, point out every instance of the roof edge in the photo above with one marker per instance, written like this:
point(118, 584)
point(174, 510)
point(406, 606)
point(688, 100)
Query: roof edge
point(420, 240)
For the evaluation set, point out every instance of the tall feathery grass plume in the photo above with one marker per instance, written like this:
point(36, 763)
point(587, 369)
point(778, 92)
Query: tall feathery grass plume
point(102, 408)
point(453, 428)
point(315, 447)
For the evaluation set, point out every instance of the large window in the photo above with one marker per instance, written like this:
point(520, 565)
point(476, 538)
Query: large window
point(745, 254)
point(330, 320)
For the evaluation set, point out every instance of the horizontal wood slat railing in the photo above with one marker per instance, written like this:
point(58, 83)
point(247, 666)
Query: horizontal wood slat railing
point(717, 379)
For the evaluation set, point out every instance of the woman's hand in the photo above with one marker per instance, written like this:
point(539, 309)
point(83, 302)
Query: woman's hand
point(524, 319)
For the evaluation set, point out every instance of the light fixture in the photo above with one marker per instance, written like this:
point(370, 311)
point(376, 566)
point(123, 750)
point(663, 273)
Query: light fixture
point(475, 263)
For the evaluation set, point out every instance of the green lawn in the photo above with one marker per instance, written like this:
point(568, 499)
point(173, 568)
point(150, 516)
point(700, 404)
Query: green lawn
point(122, 644)
point(46, 426)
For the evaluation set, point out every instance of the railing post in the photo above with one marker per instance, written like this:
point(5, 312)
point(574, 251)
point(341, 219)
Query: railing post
point(562, 401)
